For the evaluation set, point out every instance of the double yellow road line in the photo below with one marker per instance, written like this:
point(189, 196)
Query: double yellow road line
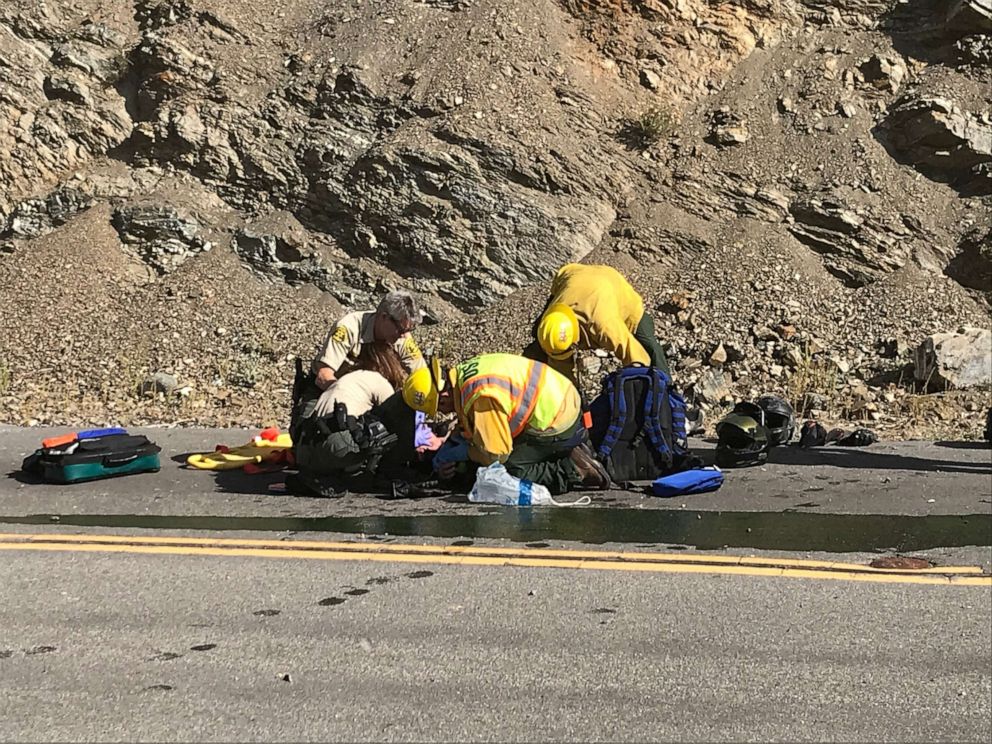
point(494, 556)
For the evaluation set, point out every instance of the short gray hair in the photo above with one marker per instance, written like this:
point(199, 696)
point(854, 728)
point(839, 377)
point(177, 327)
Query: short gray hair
point(401, 307)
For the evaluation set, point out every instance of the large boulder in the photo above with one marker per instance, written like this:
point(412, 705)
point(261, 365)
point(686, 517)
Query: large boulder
point(161, 236)
point(472, 221)
point(970, 16)
point(34, 217)
point(276, 248)
point(955, 360)
point(883, 73)
point(942, 141)
point(858, 245)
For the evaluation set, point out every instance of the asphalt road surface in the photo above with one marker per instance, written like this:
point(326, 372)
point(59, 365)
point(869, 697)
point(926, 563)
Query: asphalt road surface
point(120, 646)
point(910, 478)
point(132, 620)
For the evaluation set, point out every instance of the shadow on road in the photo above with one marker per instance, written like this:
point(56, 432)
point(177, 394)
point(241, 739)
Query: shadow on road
point(965, 445)
point(867, 459)
point(21, 477)
point(238, 481)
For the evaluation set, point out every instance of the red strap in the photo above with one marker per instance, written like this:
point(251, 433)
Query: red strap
point(59, 440)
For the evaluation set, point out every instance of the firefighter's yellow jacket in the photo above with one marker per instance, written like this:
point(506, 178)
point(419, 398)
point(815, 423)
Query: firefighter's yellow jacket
point(498, 397)
point(607, 306)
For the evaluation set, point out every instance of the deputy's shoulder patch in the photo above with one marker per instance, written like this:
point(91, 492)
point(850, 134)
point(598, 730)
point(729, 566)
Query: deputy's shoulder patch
point(341, 335)
point(410, 348)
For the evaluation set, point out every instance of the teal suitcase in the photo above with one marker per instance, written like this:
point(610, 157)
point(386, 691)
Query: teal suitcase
point(93, 459)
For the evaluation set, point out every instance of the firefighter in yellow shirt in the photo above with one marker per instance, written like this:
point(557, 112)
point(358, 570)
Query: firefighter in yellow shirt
point(516, 411)
point(594, 307)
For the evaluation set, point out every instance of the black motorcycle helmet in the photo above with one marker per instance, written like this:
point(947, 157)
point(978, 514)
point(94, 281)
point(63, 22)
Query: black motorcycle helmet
point(780, 420)
point(743, 441)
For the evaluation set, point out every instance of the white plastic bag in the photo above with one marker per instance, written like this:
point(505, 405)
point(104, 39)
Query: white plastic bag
point(494, 485)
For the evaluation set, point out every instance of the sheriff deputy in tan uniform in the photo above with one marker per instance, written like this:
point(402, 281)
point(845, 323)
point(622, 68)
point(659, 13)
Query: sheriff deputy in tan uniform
point(375, 341)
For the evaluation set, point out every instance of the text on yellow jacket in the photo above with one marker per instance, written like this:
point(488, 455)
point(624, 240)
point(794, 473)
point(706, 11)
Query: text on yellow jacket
point(498, 397)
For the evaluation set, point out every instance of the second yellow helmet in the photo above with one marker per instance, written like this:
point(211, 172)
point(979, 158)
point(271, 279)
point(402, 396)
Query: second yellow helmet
point(558, 331)
point(422, 388)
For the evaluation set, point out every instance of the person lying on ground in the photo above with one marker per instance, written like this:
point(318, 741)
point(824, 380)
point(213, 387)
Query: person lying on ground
point(512, 410)
point(594, 307)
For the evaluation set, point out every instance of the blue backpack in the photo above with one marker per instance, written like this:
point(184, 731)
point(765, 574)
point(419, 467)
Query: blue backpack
point(638, 425)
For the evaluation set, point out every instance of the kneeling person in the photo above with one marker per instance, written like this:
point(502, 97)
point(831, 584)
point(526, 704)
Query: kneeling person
point(330, 437)
point(378, 340)
point(516, 411)
point(594, 307)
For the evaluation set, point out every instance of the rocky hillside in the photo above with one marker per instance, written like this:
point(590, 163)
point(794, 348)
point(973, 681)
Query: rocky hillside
point(191, 191)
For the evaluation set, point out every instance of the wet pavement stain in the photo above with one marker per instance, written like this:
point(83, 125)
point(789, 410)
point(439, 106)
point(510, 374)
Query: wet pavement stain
point(266, 613)
point(331, 601)
point(900, 561)
point(158, 687)
point(419, 574)
point(41, 650)
point(203, 647)
point(356, 592)
point(705, 530)
point(166, 656)
point(378, 581)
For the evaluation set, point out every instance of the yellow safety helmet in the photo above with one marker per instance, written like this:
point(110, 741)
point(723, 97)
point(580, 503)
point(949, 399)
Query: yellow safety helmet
point(422, 388)
point(558, 331)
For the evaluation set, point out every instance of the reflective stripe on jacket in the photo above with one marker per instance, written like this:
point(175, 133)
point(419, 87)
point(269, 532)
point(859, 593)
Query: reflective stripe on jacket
point(530, 395)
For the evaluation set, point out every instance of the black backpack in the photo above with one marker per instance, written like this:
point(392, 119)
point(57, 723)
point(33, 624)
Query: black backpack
point(638, 425)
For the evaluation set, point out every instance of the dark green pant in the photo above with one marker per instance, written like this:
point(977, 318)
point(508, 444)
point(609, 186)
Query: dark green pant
point(545, 460)
point(645, 334)
point(399, 419)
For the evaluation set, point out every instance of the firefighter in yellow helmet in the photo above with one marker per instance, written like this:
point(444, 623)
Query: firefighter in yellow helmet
point(512, 410)
point(594, 307)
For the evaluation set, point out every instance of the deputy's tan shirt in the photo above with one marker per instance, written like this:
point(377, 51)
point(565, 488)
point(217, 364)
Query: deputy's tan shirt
point(360, 391)
point(344, 341)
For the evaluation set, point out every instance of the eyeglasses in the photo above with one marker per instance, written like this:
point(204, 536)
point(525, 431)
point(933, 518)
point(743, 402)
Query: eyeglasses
point(408, 328)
